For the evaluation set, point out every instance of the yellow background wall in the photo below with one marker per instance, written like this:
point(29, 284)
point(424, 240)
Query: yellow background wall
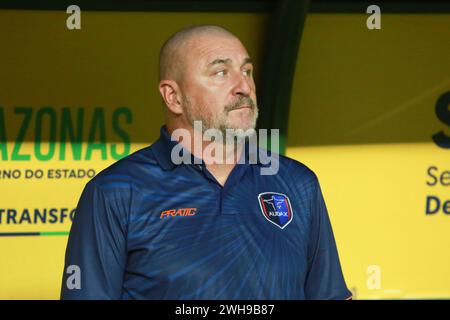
point(362, 117)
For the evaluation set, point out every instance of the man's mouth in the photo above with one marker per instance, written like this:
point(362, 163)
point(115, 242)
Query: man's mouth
point(243, 107)
point(240, 105)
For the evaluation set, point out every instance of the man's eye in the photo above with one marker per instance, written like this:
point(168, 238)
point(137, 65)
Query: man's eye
point(221, 73)
point(248, 72)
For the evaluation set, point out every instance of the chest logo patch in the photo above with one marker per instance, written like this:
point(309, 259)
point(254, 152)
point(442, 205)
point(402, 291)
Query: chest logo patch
point(276, 208)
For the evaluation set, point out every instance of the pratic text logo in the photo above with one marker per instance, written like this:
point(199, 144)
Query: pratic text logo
point(182, 212)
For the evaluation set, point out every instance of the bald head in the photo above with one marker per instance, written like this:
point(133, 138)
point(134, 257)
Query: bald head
point(172, 56)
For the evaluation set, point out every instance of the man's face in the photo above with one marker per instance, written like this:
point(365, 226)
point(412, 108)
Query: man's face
point(218, 86)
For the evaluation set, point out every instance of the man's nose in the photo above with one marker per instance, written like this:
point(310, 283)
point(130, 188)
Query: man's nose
point(242, 86)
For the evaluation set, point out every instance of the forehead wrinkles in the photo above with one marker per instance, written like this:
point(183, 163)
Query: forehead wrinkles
point(204, 51)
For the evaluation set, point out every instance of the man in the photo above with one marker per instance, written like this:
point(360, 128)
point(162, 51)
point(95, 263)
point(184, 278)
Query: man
point(150, 227)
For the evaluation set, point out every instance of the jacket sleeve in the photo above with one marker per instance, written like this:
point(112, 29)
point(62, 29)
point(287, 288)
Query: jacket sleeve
point(96, 250)
point(324, 280)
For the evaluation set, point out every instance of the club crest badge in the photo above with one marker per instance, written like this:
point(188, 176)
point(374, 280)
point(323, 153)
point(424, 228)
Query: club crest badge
point(276, 208)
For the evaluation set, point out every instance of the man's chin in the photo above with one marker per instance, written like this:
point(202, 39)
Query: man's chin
point(248, 125)
point(240, 129)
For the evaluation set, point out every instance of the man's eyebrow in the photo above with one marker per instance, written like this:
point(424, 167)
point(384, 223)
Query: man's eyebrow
point(228, 61)
point(219, 61)
point(247, 60)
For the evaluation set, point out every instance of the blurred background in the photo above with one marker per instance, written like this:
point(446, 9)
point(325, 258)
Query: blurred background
point(360, 96)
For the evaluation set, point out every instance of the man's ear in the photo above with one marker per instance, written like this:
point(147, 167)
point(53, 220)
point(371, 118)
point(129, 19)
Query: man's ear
point(170, 92)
